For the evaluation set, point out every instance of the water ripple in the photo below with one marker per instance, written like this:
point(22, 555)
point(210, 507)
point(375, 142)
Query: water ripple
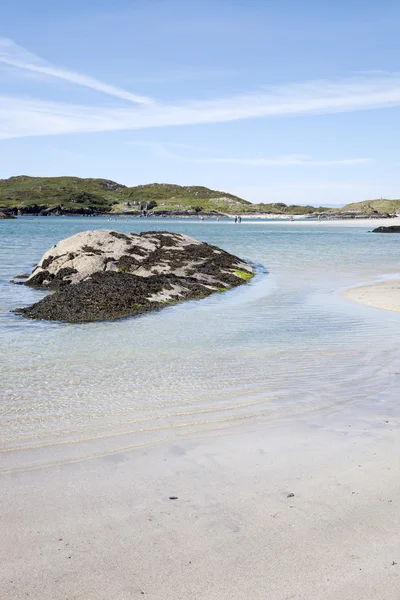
point(284, 345)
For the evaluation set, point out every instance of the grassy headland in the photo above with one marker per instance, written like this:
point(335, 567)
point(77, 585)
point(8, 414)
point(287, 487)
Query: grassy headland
point(370, 206)
point(102, 195)
point(74, 195)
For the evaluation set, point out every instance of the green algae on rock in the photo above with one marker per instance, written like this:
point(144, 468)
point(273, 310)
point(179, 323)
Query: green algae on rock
point(102, 275)
point(245, 275)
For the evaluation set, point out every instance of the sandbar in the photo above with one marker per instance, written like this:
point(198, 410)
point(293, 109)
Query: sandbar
point(302, 222)
point(384, 295)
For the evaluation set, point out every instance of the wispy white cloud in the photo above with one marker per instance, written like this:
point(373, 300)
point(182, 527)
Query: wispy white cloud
point(183, 75)
point(13, 55)
point(26, 117)
point(287, 160)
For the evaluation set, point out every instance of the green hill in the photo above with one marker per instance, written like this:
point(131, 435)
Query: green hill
point(73, 194)
point(69, 192)
point(279, 208)
point(370, 206)
point(177, 197)
point(103, 195)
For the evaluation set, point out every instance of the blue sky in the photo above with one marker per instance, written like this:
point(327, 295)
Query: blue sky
point(294, 101)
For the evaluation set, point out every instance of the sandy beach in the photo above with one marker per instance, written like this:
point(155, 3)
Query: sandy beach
point(303, 509)
point(384, 295)
point(301, 221)
point(255, 455)
point(198, 400)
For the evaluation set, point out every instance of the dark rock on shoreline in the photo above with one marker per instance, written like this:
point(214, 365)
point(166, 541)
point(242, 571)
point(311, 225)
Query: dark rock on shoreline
point(102, 275)
point(53, 211)
point(6, 215)
point(59, 211)
point(389, 229)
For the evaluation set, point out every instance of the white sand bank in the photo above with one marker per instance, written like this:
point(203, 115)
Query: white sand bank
point(300, 221)
point(385, 295)
point(106, 529)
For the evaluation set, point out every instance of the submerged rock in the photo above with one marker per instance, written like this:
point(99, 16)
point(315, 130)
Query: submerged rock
point(102, 275)
point(389, 229)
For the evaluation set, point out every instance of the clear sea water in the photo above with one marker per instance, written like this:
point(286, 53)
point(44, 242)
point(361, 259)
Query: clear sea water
point(285, 345)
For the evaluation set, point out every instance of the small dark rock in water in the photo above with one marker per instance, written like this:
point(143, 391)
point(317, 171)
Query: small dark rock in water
point(173, 498)
point(389, 229)
point(290, 495)
point(23, 277)
point(103, 275)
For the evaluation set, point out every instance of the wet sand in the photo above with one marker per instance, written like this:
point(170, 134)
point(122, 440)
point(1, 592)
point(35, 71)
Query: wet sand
point(384, 295)
point(306, 509)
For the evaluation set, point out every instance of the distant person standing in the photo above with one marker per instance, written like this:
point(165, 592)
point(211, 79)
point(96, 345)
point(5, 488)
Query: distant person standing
point(236, 219)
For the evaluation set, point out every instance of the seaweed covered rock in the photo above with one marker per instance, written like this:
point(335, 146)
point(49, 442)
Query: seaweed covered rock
point(101, 275)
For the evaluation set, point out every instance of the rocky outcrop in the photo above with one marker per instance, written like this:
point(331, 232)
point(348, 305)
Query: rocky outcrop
point(389, 229)
point(6, 215)
point(102, 275)
point(59, 211)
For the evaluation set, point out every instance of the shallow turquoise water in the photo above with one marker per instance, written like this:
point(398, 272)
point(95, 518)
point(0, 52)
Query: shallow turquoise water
point(287, 344)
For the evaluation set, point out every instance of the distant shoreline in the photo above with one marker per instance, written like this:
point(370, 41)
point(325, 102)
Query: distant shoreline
point(71, 195)
point(309, 217)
